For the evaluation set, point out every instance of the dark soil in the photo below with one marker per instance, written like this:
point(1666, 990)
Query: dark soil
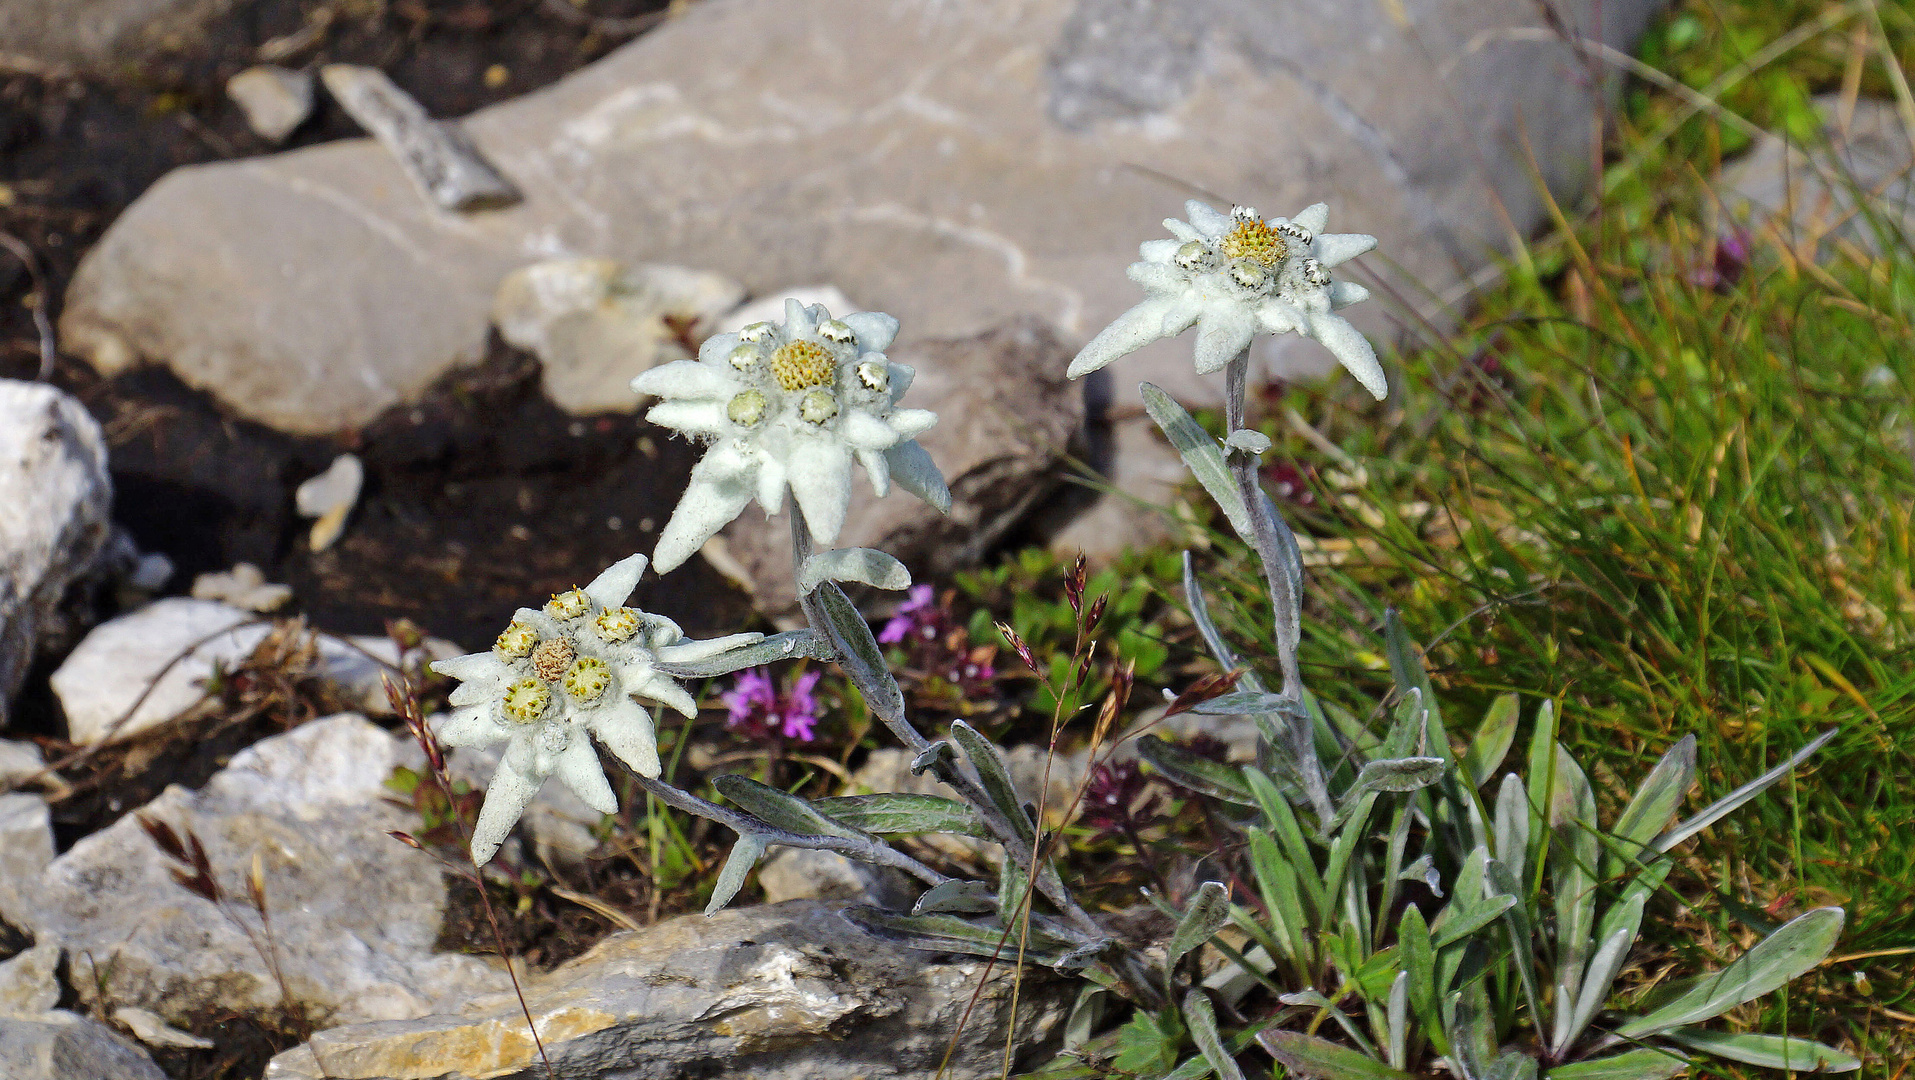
point(481, 497)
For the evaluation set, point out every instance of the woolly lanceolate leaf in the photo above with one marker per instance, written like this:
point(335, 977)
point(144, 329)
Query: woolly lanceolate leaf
point(1512, 827)
point(1418, 957)
point(1320, 1059)
point(1573, 859)
point(1643, 1064)
point(866, 566)
point(744, 855)
point(1202, 1019)
point(948, 933)
point(1511, 1066)
point(858, 652)
point(1799, 945)
point(1464, 920)
point(894, 813)
point(1655, 802)
point(1202, 454)
point(1013, 882)
point(1397, 775)
point(1199, 774)
point(1492, 742)
point(956, 895)
point(994, 775)
point(1739, 796)
point(796, 645)
point(780, 810)
point(1770, 1051)
point(1208, 910)
point(1243, 703)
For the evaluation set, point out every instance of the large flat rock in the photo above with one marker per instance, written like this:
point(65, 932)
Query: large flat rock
point(953, 164)
point(785, 992)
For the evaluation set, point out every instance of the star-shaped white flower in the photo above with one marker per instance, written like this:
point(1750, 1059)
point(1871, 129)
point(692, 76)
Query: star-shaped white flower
point(790, 405)
point(1235, 276)
point(558, 674)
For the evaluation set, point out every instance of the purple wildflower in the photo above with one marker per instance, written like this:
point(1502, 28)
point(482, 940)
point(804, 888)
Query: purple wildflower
point(906, 619)
point(802, 710)
point(757, 710)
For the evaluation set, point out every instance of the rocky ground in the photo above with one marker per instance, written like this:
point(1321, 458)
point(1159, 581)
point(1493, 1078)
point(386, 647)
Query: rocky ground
point(295, 306)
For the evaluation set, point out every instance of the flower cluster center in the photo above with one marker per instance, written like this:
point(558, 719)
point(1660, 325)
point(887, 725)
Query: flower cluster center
point(1254, 239)
point(551, 658)
point(799, 364)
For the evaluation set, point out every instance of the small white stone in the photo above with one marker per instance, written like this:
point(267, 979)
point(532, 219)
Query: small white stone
point(330, 497)
point(151, 1029)
point(244, 586)
point(275, 99)
point(26, 848)
point(19, 760)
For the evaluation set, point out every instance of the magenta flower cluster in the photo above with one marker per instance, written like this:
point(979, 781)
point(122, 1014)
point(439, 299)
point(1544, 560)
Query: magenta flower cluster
point(916, 617)
point(757, 708)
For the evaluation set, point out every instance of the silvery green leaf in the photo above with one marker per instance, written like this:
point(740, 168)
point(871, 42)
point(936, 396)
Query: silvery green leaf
point(781, 810)
point(948, 933)
point(1282, 562)
point(1739, 796)
point(1249, 441)
point(1201, 1018)
point(994, 775)
point(1199, 774)
point(1496, 876)
point(858, 651)
point(1406, 667)
point(1460, 922)
point(1573, 860)
point(1399, 839)
point(1472, 1029)
point(866, 566)
point(1602, 972)
point(1194, 1069)
point(1206, 913)
point(1311, 1058)
point(1801, 944)
point(1423, 870)
point(796, 645)
point(1013, 883)
point(893, 813)
point(934, 753)
point(1770, 1051)
point(1282, 895)
point(956, 895)
point(1087, 1013)
point(1397, 775)
point(1492, 741)
point(1539, 779)
point(1640, 1064)
point(1200, 614)
point(1202, 454)
point(1398, 1015)
point(1655, 802)
point(744, 855)
point(1512, 827)
point(1417, 954)
point(1511, 1065)
point(1407, 725)
point(1312, 999)
point(1243, 703)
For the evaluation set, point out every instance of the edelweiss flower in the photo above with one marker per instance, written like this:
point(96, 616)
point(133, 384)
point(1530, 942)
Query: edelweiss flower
point(790, 405)
point(558, 673)
point(1238, 276)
